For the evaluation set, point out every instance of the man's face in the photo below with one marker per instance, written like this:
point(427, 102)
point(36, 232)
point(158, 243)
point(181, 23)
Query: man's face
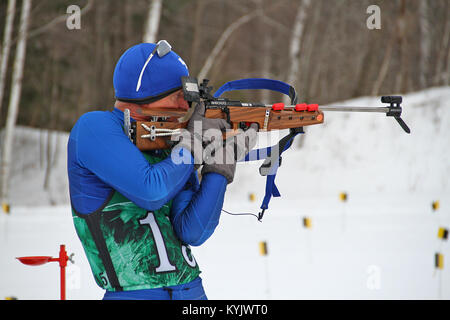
point(173, 101)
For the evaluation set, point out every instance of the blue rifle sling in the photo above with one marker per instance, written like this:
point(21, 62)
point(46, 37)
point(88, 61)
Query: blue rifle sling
point(270, 165)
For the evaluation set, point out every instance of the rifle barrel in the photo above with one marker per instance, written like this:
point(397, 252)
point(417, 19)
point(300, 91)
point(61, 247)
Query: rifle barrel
point(354, 109)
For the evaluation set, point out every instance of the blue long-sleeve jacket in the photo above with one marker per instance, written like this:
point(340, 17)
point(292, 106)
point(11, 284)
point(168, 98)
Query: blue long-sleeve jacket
point(102, 159)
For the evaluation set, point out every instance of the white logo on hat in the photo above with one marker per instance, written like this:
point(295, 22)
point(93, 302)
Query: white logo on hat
point(142, 72)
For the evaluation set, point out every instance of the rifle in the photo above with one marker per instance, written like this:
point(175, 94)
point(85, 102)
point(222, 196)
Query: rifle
point(156, 134)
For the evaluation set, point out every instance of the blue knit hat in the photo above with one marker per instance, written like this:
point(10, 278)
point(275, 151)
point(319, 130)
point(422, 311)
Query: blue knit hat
point(142, 76)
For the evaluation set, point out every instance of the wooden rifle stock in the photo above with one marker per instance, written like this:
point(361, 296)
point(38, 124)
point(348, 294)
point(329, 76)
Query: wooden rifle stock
point(240, 117)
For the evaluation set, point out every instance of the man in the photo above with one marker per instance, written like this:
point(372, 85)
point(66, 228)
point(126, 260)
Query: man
point(136, 213)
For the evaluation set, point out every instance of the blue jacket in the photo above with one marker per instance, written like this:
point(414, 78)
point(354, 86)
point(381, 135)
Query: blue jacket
point(101, 159)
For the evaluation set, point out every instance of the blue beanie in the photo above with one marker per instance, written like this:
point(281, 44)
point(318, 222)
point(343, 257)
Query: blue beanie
point(162, 75)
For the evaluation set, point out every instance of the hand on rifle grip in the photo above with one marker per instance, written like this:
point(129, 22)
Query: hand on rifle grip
point(206, 123)
point(222, 155)
point(199, 132)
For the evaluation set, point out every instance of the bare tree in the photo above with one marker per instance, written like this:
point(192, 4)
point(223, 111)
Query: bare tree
point(222, 41)
point(401, 81)
point(397, 35)
point(55, 21)
point(152, 23)
point(322, 51)
point(267, 42)
point(447, 73)
point(14, 99)
point(296, 41)
point(6, 46)
point(52, 144)
point(196, 43)
point(384, 66)
point(425, 42)
point(310, 45)
point(441, 75)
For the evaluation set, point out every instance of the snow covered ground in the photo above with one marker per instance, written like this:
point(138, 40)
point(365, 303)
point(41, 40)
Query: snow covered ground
point(380, 244)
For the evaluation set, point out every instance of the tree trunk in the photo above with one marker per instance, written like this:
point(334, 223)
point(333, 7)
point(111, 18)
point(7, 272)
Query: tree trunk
point(447, 74)
point(296, 41)
point(425, 44)
point(48, 157)
point(128, 23)
point(294, 51)
point(363, 73)
point(397, 34)
point(384, 66)
point(197, 41)
point(310, 43)
point(41, 148)
point(152, 23)
point(6, 46)
point(295, 45)
point(316, 90)
point(14, 99)
point(52, 112)
point(267, 63)
point(439, 74)
point(400, 85)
